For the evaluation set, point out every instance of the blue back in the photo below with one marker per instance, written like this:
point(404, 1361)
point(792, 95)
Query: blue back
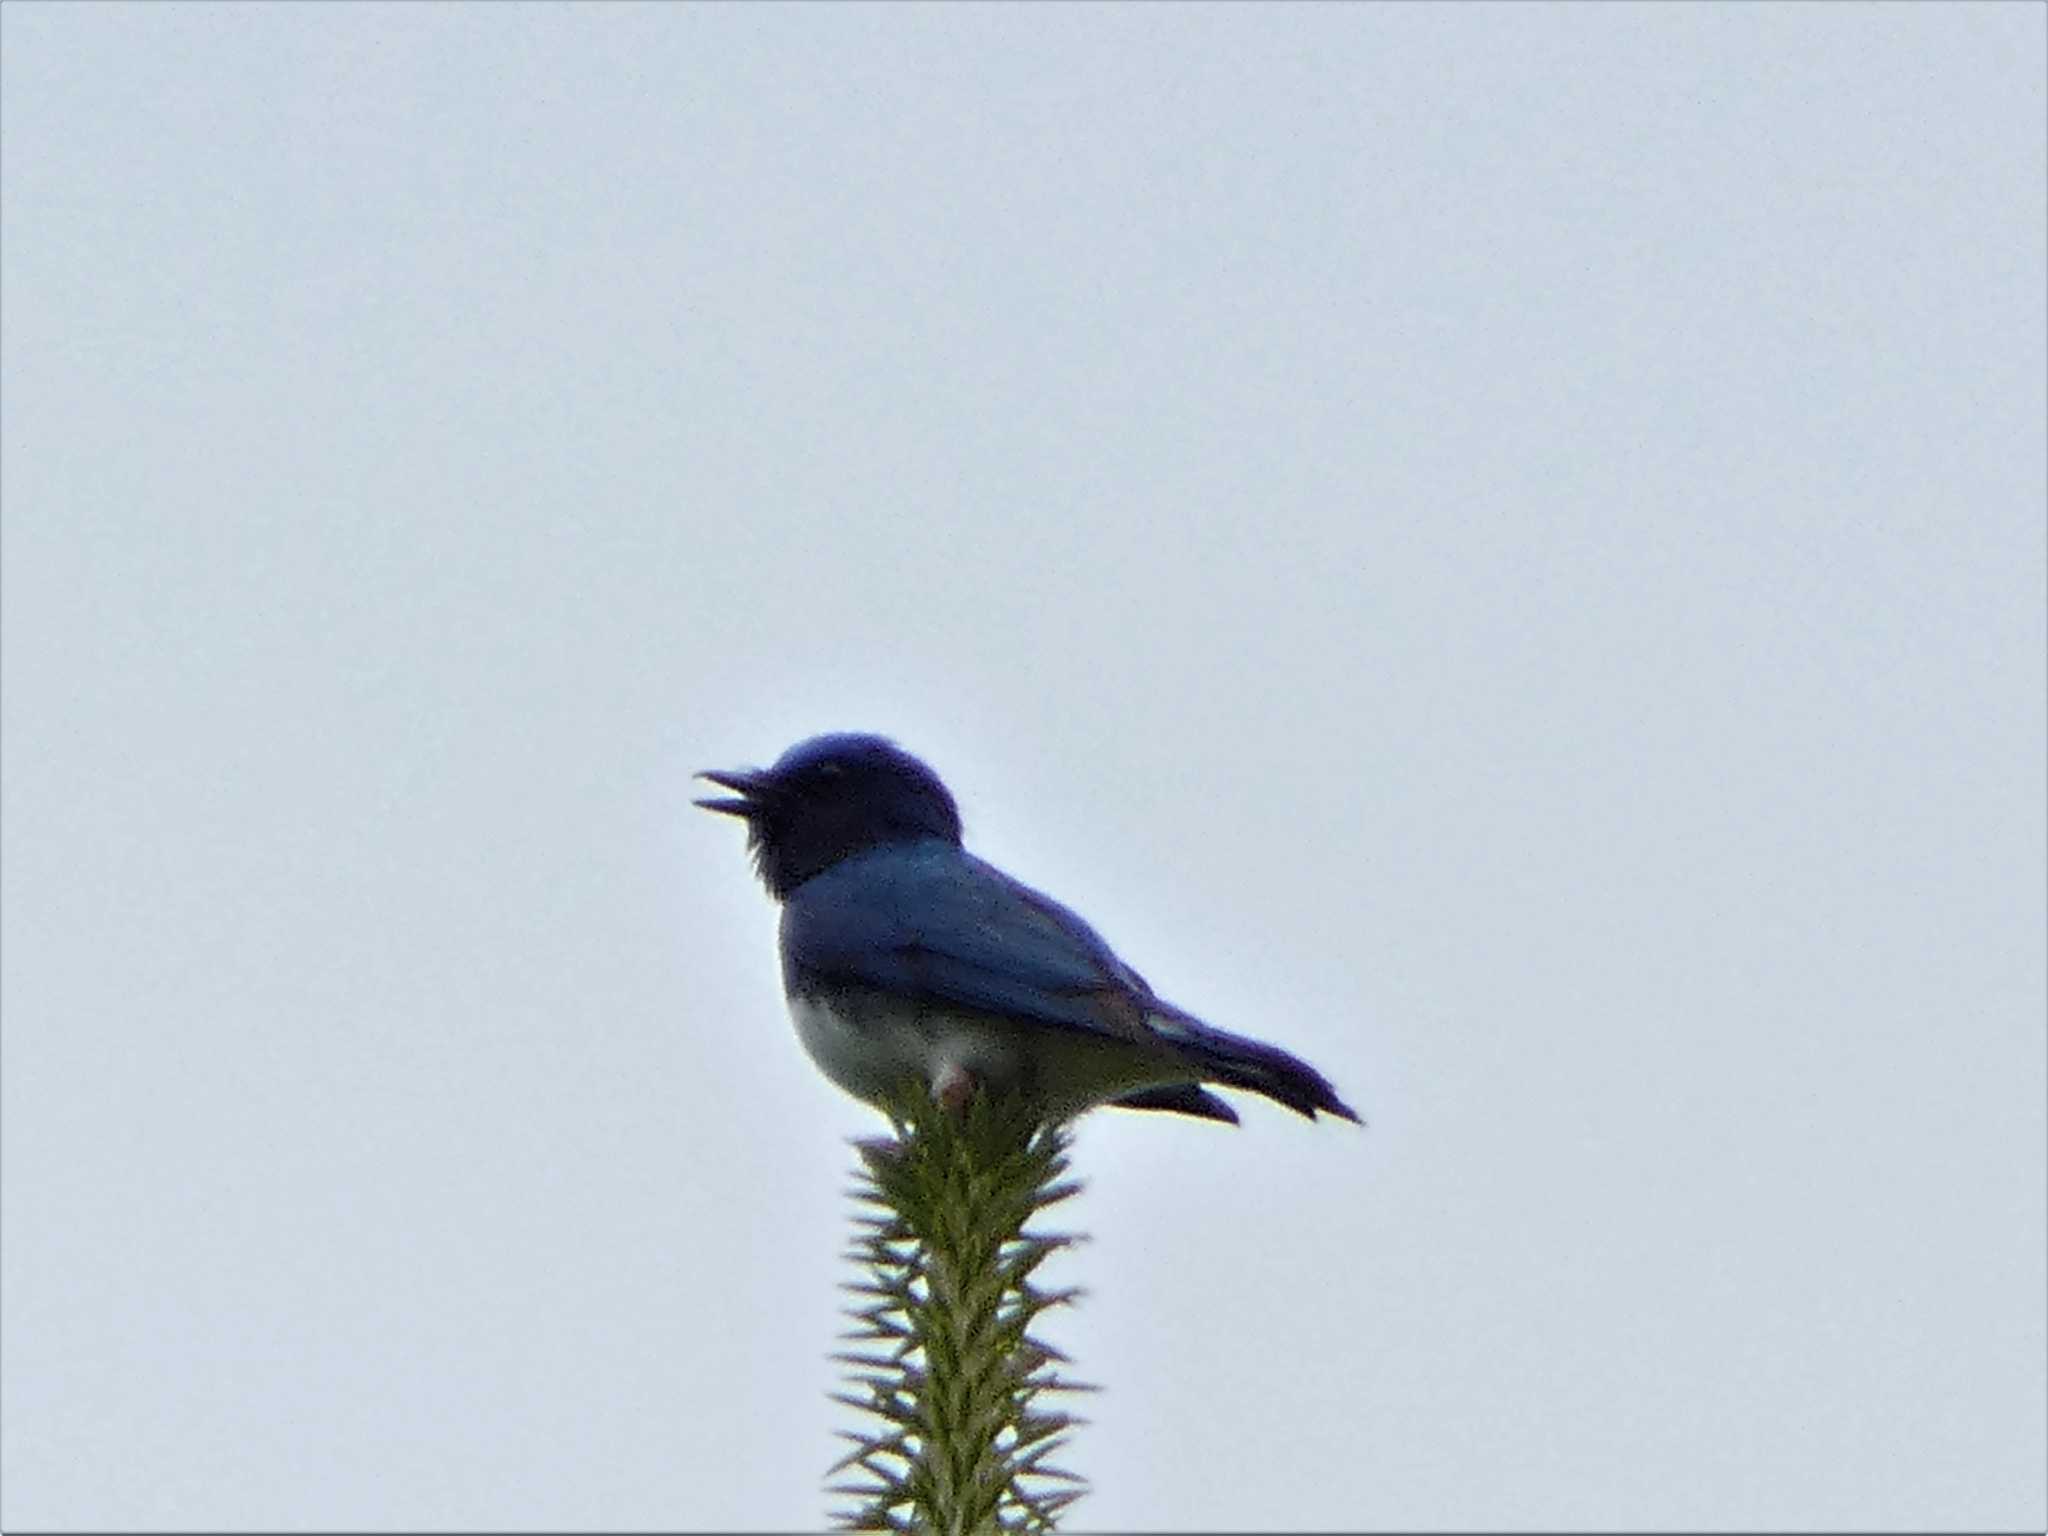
point(930, 921)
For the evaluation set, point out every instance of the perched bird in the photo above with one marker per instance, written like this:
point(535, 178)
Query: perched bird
point(905, 957)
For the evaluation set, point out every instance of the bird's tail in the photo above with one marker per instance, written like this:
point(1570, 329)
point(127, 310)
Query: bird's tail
point(1238, 1062)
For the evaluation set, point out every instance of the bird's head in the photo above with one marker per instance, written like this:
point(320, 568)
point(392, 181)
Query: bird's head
point(829, 798)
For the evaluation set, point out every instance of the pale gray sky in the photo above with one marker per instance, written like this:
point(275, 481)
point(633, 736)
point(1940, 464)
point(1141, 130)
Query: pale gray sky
point(1501, 548)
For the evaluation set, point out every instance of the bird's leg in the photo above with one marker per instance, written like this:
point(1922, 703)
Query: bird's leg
point(953, 1086)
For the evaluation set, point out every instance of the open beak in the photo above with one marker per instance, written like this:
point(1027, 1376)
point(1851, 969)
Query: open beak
point(749, 790)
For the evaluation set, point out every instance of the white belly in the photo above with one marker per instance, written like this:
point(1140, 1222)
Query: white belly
point(871, 1046)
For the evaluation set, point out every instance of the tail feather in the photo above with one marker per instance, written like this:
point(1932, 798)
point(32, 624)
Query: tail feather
point(1180, 1099)
point(1237, 1062)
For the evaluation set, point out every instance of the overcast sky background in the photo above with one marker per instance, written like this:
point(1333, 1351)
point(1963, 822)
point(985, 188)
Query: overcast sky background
point(1501, 548)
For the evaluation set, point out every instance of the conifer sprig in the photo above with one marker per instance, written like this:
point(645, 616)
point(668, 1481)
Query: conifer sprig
point(942, 1353)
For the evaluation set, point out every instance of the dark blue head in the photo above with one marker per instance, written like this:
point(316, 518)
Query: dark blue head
point(829, 798)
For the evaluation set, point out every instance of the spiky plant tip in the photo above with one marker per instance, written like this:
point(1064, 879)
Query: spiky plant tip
point(965, 1433)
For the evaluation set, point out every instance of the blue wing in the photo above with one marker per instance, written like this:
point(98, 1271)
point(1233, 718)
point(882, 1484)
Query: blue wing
point(933, 922)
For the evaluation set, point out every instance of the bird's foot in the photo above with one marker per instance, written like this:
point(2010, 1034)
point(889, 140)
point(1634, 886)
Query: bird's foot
point(953, 1087)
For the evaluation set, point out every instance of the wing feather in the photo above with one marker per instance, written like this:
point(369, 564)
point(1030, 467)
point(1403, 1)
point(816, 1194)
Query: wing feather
point(934, 922)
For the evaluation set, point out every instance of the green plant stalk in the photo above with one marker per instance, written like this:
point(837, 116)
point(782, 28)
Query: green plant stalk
point(942, 1351)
